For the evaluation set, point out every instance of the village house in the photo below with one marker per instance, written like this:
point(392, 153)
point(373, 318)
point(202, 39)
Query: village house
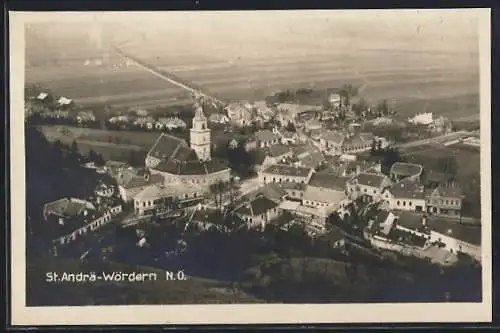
point(69, 232)
point(85, 117)
point(156, 197)
point(369, 185)
point(233, 144)
point(258, 212)
point(277, 154)
point(69, 210)
point(290, 113)
point(335, 238)
point(415, 224)
point(64, 102)
point(276, 192)
point(313, 125)
point(326, 200)
point(263, 111)
point(381, 224)
point(145, 122)
point(289, 138)
point(239, 114)
point(425, 118)
point(294, 191)
point(105, 191)
point(406, 195)
point(334, 99)
point(456, 237)
point(445, 200)
point(308, 156)
point(278, 173)
point(410, 171)
point(170, 123)
point(119, 119)
point(114, 167)
point(130, 182)
point(218, 118)
point(141, 113)
point(266, 138)
point(338, 143)
point(42, 96)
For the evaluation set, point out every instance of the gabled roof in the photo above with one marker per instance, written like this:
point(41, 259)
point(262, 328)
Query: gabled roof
point(257, 206)
point(68, 207)
point(407, 189)
point(130, 179)
point(165, 146)
point(406, 169)
point(447, 191)
point(358, 139)
point(287, 170)
point(190, 167)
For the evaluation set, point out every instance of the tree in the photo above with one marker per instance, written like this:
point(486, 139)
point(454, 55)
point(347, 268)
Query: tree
point(347, 92)
point(290, 127)
point(383, 108)
point(448, 165)
point(360, 107)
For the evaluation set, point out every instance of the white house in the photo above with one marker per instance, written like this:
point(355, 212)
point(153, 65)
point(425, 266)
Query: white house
point(421, 119)
point(258, 212)
point(266, 138)
point(239, 114)
point(278, 173)
point(325, 199)
point(368, 184)
point(218, 118)
point(131, 182)
point(405, 195)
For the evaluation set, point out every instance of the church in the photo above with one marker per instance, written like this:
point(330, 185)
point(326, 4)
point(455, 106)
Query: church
point(182, 163)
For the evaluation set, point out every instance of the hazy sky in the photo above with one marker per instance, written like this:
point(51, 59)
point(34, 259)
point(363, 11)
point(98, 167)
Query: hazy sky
point(421, 30)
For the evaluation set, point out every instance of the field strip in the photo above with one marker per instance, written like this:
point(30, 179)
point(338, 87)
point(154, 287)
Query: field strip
point(148, 104)
point(132, 96)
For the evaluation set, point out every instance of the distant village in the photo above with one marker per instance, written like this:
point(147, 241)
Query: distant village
point(310, 173)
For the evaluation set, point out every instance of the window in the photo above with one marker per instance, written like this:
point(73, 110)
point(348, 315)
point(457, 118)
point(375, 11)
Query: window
point(264, 179)
point(447, 202)
point(144, 204)
point(397, 203)
point(409, 203)
point(185, 196)
point(404, 203)
point(365, 190)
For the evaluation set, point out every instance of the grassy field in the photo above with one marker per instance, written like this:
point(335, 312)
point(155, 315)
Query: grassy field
point(251, 66)
point(468, 159)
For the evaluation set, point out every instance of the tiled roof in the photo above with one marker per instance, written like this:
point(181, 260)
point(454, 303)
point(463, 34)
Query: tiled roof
point(407, 190)
point(190, 167)
point(154, 192)
point(449, 191)
point(321, 194)
point(328, 181)
point(68, 207)
point(257, 206)
point(278, 150)
point(369, 179)
point(333, 137)
point(406, 169)
point(410, 220)
point(291, 186)
point(272, 191)
point(469, 234)
point(287, 170)
point(165, 146)
point(313, 123)
point(266, 135)
point(359, 139)
point(130, 179)
point(288, 134)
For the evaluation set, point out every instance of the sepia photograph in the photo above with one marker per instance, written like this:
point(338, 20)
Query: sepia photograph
point(293, 166)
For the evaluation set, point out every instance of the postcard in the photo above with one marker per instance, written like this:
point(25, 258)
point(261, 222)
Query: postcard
point(250, 167)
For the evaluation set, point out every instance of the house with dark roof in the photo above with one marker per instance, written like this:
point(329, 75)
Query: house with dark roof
point(266, 138)
point(329, 181)
point(406, 195)
point(456, 237)
point(278, 173)
point(258, 212)
point(309, 156)
point(369, 185)
point(445, 200)
point(131, 181)
point(68, 210)
point(413, 223)
point(400, 171)
point(338, 143)
point(276, 154)
point(381, 224)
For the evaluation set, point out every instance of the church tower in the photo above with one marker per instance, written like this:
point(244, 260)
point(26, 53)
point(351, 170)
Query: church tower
point(200, 134)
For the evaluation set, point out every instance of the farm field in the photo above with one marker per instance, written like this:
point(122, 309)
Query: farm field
point(251, 66)
point(468, 160)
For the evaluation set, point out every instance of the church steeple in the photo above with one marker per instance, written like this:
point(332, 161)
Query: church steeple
point(200, 134)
